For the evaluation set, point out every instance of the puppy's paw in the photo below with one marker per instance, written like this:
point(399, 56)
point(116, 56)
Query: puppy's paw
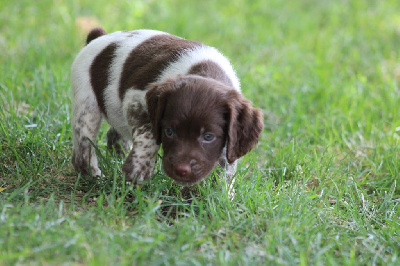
point(82, 166)
point(96, 172)
point(136, 172)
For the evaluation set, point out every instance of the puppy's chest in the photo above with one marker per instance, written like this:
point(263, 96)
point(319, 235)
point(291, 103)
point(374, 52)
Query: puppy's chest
point(130, 114)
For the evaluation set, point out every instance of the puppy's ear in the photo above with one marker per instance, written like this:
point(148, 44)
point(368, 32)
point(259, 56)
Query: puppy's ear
point(244, 126)
point(156, 99)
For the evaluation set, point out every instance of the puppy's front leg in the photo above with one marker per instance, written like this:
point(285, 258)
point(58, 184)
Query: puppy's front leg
point(140, 162)
point(228, 172)
point(228, 169)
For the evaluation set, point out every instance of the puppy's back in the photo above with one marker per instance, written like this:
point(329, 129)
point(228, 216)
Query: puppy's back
point(111, 64)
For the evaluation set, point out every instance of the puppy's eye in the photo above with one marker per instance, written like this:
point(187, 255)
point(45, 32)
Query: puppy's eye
point(168, 132)
point(208, 136)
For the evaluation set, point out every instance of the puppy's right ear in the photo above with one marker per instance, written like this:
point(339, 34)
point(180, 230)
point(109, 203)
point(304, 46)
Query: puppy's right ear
point(156, 100)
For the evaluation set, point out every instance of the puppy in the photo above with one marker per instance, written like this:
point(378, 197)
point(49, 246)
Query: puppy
point(154, 88)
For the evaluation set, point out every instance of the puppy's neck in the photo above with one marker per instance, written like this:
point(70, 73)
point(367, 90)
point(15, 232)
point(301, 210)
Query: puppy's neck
point(209, 69)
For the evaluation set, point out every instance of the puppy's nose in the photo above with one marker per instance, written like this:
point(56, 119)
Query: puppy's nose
point(182, 170)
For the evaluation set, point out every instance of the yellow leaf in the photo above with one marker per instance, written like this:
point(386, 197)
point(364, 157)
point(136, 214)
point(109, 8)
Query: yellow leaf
point(2, 189)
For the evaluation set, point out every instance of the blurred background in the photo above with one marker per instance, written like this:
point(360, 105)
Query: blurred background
point(272, 44)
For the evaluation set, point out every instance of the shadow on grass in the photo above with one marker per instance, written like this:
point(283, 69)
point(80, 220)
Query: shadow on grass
point(160, 196)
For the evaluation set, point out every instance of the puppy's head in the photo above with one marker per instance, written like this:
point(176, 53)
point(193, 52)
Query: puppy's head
point(194, 118)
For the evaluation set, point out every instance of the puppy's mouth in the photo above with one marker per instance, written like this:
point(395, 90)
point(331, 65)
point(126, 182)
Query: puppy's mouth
point(185, 175)
point(185, 182)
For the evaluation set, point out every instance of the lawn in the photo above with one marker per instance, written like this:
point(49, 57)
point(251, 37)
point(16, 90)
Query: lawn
point(321, 187)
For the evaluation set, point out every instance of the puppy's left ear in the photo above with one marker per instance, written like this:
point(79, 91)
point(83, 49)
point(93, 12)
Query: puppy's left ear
point(156, 99)
point(244, 126)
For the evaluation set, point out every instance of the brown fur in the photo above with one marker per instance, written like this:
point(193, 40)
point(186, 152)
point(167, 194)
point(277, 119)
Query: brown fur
point(95, 33)
point(99, 74)
point(149, 59)
point(193, 105)
point(245, 126)
point(210, 69)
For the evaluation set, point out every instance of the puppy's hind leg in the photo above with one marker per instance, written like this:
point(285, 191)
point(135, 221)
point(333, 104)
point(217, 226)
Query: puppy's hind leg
point(117, 143)
point(86, 122)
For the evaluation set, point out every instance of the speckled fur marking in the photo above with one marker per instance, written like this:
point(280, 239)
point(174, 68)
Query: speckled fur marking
point(228, 172)
point(140, 162)
point(85, 123)
point(229, 169)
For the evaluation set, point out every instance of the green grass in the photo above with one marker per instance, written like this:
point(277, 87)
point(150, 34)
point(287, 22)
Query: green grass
point(322, 186)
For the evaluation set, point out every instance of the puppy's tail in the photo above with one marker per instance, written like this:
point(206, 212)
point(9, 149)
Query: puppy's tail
point(95, 33)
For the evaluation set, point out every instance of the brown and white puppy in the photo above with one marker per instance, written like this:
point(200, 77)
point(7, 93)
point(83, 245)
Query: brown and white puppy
point(153, 88)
